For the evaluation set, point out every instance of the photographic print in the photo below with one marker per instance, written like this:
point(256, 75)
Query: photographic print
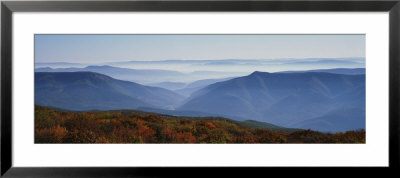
point(199, 88)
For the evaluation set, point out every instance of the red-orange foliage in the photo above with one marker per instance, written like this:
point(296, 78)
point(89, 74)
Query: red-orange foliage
point(51, 135)
point(53, 126)
point(185, 137)
point(210, 125)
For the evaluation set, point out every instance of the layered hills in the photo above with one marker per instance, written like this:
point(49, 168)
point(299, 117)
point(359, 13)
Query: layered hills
point(325, 100)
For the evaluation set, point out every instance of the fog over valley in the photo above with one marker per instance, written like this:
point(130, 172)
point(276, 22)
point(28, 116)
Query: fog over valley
point(187, 71)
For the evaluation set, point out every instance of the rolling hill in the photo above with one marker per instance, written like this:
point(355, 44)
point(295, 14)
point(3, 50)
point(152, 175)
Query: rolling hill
point(284, 99)
point(129, 126)
point(89, 90)
point(168, 79)
point(134, 75)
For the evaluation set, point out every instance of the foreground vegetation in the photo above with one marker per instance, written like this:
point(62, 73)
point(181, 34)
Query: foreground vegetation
point(55, 126)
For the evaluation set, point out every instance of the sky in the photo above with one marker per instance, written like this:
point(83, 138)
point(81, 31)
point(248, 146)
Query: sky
point(112, 48)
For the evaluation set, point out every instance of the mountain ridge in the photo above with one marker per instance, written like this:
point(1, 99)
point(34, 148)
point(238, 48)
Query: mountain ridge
point(279, 98)
point(97, 91)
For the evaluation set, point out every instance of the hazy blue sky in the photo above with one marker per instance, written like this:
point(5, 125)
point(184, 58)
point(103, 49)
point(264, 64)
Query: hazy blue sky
point(107, 48)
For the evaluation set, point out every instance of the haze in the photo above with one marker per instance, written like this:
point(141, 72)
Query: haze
point(113, 48)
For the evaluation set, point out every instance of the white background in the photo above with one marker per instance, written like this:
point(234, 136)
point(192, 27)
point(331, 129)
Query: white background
point(373, 153)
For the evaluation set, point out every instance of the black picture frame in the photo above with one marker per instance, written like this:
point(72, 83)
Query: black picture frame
point(8, 7)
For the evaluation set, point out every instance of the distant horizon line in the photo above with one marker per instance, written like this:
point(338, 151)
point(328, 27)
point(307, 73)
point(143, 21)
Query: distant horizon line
point(204, 60)
point(248, 73)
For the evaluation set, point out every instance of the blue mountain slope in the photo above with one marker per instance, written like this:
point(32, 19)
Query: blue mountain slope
point(88, 90)
point(339, 120)
point(197, 85)
point(280, 98)
point(134, 75)
point(168, 79)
